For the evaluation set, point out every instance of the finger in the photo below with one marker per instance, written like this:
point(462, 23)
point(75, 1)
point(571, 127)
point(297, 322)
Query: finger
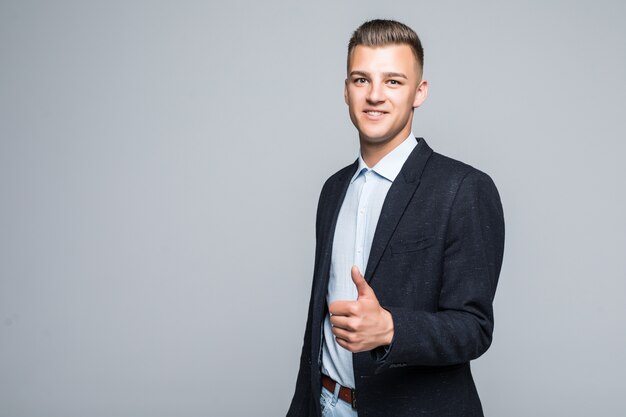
point(341, 308)
point(342, 322)
point(346, 345)
point(344, 335)
point(362, 286)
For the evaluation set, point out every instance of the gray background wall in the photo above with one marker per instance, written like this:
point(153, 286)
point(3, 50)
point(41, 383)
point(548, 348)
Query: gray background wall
point(159, 169)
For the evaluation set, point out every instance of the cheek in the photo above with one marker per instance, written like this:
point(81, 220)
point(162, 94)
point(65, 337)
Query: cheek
point(353, 97)
point(404, 104)
point(353, 102)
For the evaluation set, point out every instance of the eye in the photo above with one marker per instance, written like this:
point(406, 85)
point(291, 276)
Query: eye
point(360, 80)
point(394, 82)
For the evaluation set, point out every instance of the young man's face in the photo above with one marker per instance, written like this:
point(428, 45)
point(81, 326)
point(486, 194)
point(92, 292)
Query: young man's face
point(383, 87)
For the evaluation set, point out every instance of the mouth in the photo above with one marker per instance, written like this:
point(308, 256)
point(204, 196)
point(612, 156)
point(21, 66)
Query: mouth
point(374, 114)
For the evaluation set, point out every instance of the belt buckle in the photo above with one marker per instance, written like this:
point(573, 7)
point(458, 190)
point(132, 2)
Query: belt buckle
point(353, 392)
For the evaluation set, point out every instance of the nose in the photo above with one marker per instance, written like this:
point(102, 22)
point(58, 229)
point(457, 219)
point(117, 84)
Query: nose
point(375, 94)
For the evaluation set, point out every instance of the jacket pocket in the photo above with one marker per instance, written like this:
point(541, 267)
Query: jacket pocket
point(412, 245)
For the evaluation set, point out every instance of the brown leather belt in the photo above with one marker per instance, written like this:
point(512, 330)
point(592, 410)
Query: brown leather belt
point(345, 394)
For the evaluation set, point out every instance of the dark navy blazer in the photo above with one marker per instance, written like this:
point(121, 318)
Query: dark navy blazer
point(434, 264)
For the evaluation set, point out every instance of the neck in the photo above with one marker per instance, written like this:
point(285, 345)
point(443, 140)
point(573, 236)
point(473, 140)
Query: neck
point(373, 152)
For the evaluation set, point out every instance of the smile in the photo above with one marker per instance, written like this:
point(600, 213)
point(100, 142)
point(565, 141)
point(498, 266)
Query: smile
point(374, 113)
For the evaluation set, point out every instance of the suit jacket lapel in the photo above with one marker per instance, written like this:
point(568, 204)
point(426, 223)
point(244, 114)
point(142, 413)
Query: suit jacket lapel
point(335, 196)
point(396, 201)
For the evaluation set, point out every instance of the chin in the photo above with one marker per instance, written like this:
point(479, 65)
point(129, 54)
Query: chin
point(376, 137)
point(373, 135)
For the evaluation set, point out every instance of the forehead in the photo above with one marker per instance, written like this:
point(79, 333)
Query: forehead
point(388, 58)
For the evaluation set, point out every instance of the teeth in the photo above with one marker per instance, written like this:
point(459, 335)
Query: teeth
point(374, 113)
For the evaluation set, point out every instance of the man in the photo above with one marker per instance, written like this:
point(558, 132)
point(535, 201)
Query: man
point(408, 253)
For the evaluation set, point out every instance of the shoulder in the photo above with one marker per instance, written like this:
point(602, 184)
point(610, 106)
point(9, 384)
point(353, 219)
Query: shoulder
point(448, 167)
point(339, 177)
point(454, 173)
point(469, 193)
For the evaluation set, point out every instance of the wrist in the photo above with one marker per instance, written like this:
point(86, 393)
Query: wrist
point(388, 331)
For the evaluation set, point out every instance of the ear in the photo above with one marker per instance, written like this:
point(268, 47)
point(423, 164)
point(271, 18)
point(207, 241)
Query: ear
point(345, 91)
point(421, 94)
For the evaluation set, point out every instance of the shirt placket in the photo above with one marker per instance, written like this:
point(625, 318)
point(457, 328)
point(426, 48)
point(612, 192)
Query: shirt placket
point(361, 222)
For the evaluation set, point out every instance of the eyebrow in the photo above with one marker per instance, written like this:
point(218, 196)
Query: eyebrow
point(386, 74)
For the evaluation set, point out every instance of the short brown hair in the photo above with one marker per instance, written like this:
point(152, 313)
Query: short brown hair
point(380, 32)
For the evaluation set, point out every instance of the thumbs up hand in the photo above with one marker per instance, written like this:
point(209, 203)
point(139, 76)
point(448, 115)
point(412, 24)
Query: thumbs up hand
point(363, 324)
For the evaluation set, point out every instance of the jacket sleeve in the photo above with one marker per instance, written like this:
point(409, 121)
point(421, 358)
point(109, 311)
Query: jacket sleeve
point(302, 401)
point(302, 397)
point(461, 329)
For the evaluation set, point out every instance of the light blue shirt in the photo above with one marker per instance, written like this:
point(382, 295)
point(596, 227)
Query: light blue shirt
point(352, 242)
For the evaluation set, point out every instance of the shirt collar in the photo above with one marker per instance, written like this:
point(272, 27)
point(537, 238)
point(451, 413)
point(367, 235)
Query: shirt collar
point(389, 167)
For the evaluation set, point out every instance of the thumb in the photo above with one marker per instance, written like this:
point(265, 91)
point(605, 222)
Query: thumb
point(362, 286)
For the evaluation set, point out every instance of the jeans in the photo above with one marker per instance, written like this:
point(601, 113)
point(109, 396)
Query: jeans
point(332, 406)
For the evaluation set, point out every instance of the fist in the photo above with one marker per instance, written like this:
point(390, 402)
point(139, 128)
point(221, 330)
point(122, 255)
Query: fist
point(363, 324)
